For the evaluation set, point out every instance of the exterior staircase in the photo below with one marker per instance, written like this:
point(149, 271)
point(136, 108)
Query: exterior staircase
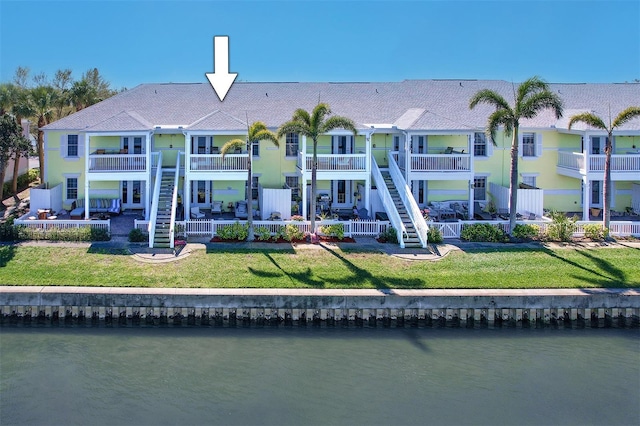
point(411, 240)
point(163, 219)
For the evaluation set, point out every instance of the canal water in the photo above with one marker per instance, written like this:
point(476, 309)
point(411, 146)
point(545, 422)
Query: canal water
point(341, 376)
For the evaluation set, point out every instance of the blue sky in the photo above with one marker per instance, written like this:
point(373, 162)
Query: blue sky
point(134, 42)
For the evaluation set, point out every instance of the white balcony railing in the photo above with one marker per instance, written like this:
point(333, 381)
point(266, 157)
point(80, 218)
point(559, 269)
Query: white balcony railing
point(215, 162)
point(117, 163)
point(331, 162)
point(440, 162)
point(619, 162)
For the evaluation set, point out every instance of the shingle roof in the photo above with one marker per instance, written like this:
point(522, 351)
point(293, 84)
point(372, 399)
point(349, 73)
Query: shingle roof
point(417, 104)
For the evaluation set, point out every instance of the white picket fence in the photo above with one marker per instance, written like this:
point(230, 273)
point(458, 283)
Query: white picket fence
point(617, 228)
point(209, 228)
point(47, 224)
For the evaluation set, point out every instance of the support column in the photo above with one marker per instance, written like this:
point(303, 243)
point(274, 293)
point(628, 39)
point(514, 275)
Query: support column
point(367, 182)
point(87, 140)
point(147, 187)
point(186, 199)
point(303, 190)
point(586, 187)
point(303, 169)
point(471, 198)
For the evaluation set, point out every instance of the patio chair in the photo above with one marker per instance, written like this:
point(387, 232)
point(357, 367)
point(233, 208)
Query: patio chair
point(115, 207)
point(216, 207)
point(241, 210)
point(363, 214)
point(196, 213)
point(479, 213)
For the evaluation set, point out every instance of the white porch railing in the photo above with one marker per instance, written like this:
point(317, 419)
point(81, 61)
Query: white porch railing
point(117, 163)
point(47, 224)
point(440, 162)
point(174, 202)
point(154, 202)
point(619, 162)
point(571, 160)
point(331, 162)
point(616, 228)
point(409, 203)
point(209, 228)
point(215, 162)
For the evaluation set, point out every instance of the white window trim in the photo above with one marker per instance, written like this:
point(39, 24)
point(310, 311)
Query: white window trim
point(488, 147)
point(66, 177)
point(537, 146)
point(295, 155)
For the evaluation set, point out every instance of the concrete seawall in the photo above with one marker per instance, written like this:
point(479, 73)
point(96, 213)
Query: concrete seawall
point(153, 306)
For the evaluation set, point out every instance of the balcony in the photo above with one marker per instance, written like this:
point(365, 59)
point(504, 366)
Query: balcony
point(215, 162)
point(623, 166)
point(440, 162)
point(333, 162)
point(117, 162)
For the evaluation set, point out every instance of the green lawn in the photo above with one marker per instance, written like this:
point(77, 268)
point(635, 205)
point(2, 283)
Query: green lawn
point(515, 268)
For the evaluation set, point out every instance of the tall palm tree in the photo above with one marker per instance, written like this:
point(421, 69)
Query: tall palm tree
point(313, 126)
point(21, 108)
point(531, 97)
point(43, 99)
point(594, 121)
point(255, 133)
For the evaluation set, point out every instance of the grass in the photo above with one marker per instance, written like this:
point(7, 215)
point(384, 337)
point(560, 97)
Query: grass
point(510, 268)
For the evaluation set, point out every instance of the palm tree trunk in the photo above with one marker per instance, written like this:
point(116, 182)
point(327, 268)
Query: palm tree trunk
point(606, 190)
point(314, 168)
point(3, 173)
point(513, 184)
point(250, 234)
point(41, 123)
point(16, 164)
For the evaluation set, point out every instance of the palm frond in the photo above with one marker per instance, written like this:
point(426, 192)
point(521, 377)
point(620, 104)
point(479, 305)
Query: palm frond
point(529, 87)
point(489, 97)
point(318, 115)
point(536, 102)
point(500, 117)
point(589, 119)
point(232, 145)
point(626, 115)
point(293, 127)
point(266, 135)
point(302, 116)
point(339, 122)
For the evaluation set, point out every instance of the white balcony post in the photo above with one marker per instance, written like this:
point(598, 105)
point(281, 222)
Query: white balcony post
point(147, 144)
point(586, 187)
point(87, 140)
point(304, 195)
point(471, 198)
point(367, 162)
point(187, 156)
point(186, 198)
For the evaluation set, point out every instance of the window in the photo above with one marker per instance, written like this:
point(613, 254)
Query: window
point(292, 182)
point(72, 188)
point(202, 144)
point(291, 145)
point(254, 189)
point(132, 145)
point(480, 144)
point(479, 188)
point(529, 180)
point(255, 148)
point(528, 145)
point(72, 146)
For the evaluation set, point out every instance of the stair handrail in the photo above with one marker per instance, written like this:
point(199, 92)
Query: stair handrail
point(154, 203)
point(409, 202)
point(387, 202)
point(174, 203)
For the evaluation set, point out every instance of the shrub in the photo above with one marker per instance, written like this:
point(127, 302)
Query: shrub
point(335, 230)
point(84, 233)
point(562, 227)
point(483, 232)
point(235, 231)
point(297, 218)
point(137, 236)
point(291, 233)
point(434, 235)
point(262, 233)
point(389, 236)
point(100, 234)
point(7, 231)
point(526, 232)
point(595, 232)
point(23, 181)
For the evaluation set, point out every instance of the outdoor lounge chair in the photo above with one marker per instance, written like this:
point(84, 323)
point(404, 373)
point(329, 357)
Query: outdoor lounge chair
point(363, 214)
point(216, 207)
point(479, 213)
point(241, 210)
point(196, 213)
point(115, 207)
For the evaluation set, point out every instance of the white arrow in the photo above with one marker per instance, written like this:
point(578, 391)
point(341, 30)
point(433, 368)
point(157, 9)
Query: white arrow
point(221, 79)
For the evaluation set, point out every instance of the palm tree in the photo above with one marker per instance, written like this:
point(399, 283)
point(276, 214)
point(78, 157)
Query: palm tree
point(594, 121)
point(256, 132)
point(532, 96)
point(43, 99)
point(312, 126)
